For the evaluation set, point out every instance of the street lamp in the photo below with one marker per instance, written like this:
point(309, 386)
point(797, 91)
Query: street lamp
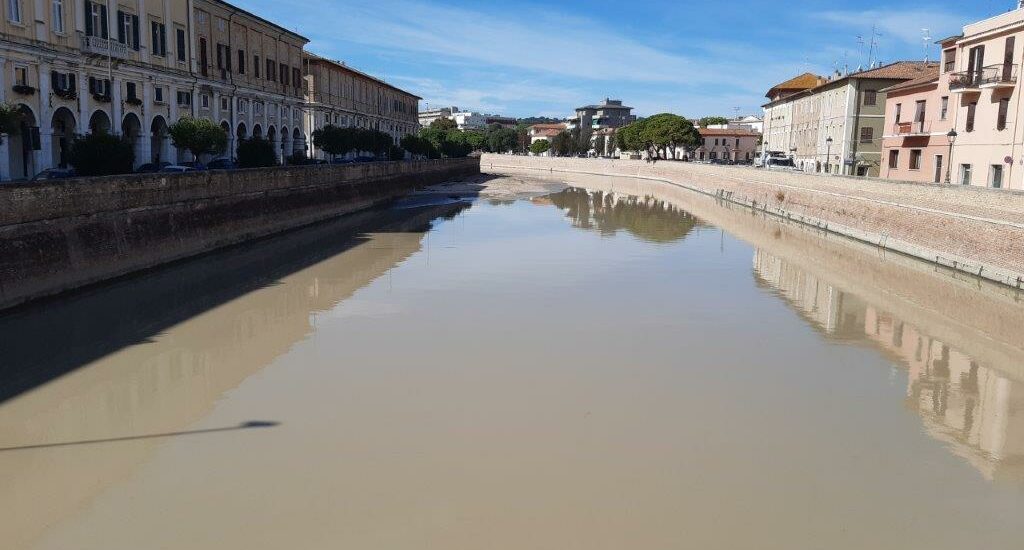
point(828, 155)
point(949, 163)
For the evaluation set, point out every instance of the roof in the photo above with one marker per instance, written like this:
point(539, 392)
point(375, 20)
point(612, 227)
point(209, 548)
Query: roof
point(548, 126)
point(930, 76)
point(233, 7)
point(603, 106)
point(903, 70)
point(341, 65)
point(547, 132)
point(726, 132)
point(802, 82)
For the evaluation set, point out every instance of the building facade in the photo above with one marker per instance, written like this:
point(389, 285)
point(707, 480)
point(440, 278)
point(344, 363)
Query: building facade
point(339, 95)
point(732, 145)
point(836, 126)
point(609, 114)
point(918, 115)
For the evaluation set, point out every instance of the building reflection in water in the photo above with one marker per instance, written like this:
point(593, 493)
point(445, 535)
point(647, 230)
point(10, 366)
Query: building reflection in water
point(976, 409)
point(647, 218)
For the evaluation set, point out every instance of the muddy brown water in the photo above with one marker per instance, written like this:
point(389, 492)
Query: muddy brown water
point(615, 365)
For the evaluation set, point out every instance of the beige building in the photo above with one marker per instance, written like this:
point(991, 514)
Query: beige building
point(133, 67)
point(339, 95)
point(840, 130)
point(778, 112)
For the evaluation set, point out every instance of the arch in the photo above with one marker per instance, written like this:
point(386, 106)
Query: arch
point(257, 131)
point(20, 147)
point(271, 133)
point(131, 129)
point(63, 125)
point(159, 142)
point(298, 142)
point(241, 132)
point(99, 122)
point(226, 126)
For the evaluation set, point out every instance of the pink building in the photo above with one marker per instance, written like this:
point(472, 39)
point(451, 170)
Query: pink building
point(918, 115)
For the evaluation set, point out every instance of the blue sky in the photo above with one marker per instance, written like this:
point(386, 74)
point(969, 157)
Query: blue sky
point(694, 58)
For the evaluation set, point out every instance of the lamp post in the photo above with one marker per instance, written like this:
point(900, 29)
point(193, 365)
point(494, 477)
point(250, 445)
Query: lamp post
point(949, 164)
point(828, 155)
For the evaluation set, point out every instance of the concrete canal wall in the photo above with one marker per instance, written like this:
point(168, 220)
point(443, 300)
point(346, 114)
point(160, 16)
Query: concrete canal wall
point(63, 235)
point(974, 230)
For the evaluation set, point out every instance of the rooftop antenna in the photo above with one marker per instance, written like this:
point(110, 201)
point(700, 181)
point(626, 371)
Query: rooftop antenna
point(926, 39)
point(875, 35)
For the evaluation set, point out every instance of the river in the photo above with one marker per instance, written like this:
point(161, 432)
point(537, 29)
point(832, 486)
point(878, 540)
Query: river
point(595, 363)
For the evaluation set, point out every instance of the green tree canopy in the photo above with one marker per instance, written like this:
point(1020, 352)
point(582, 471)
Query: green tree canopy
point(666, 132)
point(10, 120)
point(709, 120)
point(199, 136)
point(256, 153)
point(540, 146)
point(101, 154)
point(444, 124)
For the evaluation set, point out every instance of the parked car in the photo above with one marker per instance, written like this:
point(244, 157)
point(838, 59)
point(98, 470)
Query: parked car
point(364, 159)
point(54, 174)
point(177, 169)
point(317, 161)
point(151, 167)
point(222, 164)
point(342, 161)
point(195, 165)
point(774, 163)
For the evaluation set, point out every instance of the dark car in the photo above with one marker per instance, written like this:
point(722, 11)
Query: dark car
point(151, 167)
point(195, 165)
point(54, 174)
point(221, 164)
point(364, 159)
point(342, 161)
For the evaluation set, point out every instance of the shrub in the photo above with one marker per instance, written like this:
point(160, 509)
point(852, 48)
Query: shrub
point(540, 146)
point(256, 153)
point(101, 154)
point(199, 136)
point(396, 153)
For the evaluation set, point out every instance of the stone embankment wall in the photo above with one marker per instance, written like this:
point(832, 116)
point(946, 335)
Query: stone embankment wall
point(66, 234)
point(975, 230)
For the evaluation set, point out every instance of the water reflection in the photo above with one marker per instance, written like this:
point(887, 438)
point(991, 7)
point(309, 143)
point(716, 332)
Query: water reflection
point(133, 374)
point(976, 409)
point(647, 218)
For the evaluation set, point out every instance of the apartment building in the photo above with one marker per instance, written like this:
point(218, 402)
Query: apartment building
point(134, 67)
point(430, 115)
point(918, 116)
point(610, 113)
point(836, 126)
point(339, 95)
point(980, 70)
point(733, 145)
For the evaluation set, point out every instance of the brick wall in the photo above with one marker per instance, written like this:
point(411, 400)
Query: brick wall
point(66, 234)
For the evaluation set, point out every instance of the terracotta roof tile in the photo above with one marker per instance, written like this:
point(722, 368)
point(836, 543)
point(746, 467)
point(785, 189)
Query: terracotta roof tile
point(931, 75)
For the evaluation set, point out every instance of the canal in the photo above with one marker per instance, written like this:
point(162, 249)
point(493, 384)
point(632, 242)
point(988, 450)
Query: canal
point(593, 363)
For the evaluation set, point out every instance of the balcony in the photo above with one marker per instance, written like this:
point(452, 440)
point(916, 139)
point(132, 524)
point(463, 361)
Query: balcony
point(993, 76)
point(914, 128)
point(102, 46)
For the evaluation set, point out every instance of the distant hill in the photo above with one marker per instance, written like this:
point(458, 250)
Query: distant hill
point(539, 120)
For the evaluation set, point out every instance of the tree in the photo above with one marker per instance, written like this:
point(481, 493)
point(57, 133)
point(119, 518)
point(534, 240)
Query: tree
point(599, 144)
point(256, 153)
point(101, 154)
point(199, 136)
point(629, 137)
point(476, 139)
point(502, 140)
point(522, 137)
point(10, 120)
point(540, 146)
point(709, 120)
point(334, 140)
point(396, 153)
point(443, 124)
point(665, 132)
point(562, 144)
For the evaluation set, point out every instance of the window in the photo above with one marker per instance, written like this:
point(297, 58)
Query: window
point(1004, 108)
point(996, 176)
point(158, 94)
point(128, 29)
point(130, 91)
point(204, 101)
point(184, 98)
point(969, 125)
point(867, 135)
point(296, 78)
point(257, 107)
point(965, 174)
point(870, 97)
point(948, 61)
point(944, 108)
point(99, 86)
point(21, 76)
point(271, 70)
point(737, 142)
point(241, 61)
point(256, 66)
point(14, 11)
point(180, 38)
point(203, 59)
point(284, 74)
point(57, 18)
point(224, 103)
point(243, 105)
point(62, 82)
point(95, 19)
point(158, 38)
point(915, 159)
point(899, 112)
point(894, 158)
point(938, 169)
point(223, 58)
